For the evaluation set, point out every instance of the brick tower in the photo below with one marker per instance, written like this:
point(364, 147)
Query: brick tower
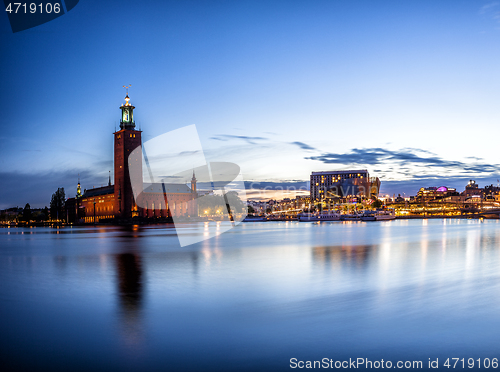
point(126, 140)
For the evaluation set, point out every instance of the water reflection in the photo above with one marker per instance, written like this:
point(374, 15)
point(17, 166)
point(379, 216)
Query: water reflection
point(130, 296)
point(352, 255)
point(129, 282)
point(61, 264)
point(130, 285)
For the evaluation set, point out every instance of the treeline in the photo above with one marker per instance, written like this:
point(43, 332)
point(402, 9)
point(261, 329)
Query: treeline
point(214, 204)
point(56, 212)
point(25, 214)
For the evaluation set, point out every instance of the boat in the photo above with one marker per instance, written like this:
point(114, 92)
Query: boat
point(351, 217)
point(379, 215)
point(322, 216)
point(329, 216)
point(307, 217)
point(254, 219)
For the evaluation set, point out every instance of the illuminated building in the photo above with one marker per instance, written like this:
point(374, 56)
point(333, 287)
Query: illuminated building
point(432, 193)
point(491, 192)
point(343, 184)
point(472, 189)
point(117, 201)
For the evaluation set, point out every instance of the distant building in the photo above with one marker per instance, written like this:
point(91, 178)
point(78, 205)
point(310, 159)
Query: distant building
point(399, 199)
point(432, 193)
point(343, 184)
point(303, 202)
point(472, 189)
point(491, 192)
point(10, 214)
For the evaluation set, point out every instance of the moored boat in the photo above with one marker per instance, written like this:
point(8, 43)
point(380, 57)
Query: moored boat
point(254, 219)
point(379, 215)
point(329, 216)
point(351, 217)
point(307, 217)
point(322, 216)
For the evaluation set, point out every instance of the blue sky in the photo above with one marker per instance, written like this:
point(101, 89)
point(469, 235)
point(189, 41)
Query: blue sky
point(407, 89)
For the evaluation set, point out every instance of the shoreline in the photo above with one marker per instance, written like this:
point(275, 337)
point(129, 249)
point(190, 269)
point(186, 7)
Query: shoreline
point(151, 223)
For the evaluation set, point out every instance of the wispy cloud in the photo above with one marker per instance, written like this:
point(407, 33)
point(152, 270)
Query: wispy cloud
point(227, 137)
point(406, 161)
point(302, 145)
point(488, 7)
point(491, 10)
point(373, 156)
point(265, 190)
point(411, 187)
point(277, 185)
point(258, 140)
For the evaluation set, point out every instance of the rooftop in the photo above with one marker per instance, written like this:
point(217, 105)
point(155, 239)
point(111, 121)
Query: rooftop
point(167, 187)
point(99, 191)
point(341, 172)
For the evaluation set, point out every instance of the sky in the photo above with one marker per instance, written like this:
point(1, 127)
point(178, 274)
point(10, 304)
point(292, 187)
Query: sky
point(406, 89)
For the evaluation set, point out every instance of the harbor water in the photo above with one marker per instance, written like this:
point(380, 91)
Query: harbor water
point(259, 297)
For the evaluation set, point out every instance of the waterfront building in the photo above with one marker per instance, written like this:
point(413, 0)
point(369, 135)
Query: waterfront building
point(343, 184)
point(490, 192)
point(283, 206)
point(472, 189)
point(303, 202)
point(116, 201)
point(432, 193)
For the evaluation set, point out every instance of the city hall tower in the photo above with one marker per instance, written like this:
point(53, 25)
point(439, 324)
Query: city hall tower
point(127, 139)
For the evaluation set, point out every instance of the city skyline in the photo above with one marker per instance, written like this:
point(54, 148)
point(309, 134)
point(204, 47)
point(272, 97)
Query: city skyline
point(406, 90)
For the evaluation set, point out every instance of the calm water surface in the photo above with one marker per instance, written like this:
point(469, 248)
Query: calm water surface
point(251, 299)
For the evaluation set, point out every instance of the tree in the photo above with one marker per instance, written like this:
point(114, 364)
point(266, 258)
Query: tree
point(27, 213)
point(251, 210)
point(235, 202)
point(216, 204)
point(46, 214)
point(57, 204)
point(43, 215)
point(377, 203)
point(210, 204)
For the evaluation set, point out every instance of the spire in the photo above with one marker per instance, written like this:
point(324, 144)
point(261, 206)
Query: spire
point(109, 182)
point(127, 121)
point(78, 188)
point(193, 184)
point(126, 97)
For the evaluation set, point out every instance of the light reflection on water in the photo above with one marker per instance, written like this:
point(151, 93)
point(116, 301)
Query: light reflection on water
point(250, 299)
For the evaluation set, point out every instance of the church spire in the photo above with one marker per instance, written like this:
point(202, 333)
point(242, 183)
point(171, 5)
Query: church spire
point(78, 188)
point(109, 182)
point(193, 183)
